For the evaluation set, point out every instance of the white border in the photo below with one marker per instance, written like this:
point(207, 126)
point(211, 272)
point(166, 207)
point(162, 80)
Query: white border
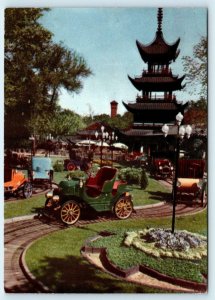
point(211, 111)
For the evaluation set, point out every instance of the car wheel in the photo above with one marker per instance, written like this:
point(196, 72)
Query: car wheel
point(123, 208)
point(27, 190)
point(70, 212)
point(71, 166)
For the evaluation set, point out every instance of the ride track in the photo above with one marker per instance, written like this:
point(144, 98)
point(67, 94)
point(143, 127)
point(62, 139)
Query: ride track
point(18, 235)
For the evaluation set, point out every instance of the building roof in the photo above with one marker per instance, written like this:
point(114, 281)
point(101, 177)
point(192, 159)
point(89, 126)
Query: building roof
point(158, 51)
point(150, 132)
point(157, 83)
point(154, 105)
point(114, 102)
point(90, 130)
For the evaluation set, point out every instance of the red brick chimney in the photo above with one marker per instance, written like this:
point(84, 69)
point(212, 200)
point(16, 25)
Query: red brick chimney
point(114, 105)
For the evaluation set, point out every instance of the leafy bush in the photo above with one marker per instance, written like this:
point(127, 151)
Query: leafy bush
point(76, 174)
point(94, 169)
point(58, 166)
point(143, 180)
point(104, 162)
point(134, 176)
point(131, 175)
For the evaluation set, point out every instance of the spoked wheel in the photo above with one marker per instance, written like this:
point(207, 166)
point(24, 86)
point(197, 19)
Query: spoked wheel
point(123, 208)
point(70, 212)
point(27, 190)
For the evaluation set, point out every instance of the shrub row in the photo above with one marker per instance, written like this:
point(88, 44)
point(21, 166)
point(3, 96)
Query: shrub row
point(134, 176)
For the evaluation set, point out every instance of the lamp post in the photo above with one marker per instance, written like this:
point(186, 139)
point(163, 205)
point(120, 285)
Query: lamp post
point(32, 139)
point(112, 138)
point(49, 139)
point(181, 132)
point(103, 136)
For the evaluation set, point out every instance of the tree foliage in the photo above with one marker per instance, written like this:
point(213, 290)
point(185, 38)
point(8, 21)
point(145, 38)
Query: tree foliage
point(196, 113)
point(120, 122)
point(36, 69)
point(66, 122)
point(196, 68)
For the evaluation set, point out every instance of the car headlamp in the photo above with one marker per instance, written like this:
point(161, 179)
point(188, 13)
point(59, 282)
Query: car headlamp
point(81, 183)
point(49, 194)
point(56, 198)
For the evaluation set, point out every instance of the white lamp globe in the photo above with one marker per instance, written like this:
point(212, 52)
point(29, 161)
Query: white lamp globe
point(165, 129)
point(188, 131)
point(182, 131)
point(179, 117)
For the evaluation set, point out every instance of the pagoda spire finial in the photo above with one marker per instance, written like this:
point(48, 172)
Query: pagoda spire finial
point(160, 18)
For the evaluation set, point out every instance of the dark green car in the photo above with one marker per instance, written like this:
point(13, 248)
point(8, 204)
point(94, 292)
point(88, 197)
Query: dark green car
point(100, 193)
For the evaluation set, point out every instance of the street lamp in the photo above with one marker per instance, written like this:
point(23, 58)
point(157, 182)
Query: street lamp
point(112, 138)
point(181, 132)
point(103, 136)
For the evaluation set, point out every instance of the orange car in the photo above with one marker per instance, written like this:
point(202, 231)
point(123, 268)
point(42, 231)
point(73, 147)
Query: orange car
point(15, 181)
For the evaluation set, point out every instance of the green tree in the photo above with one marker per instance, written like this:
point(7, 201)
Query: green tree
point(66, 122)
point(119, 122)
point(196, 68)
point(25, 39)
point(36, 69)
point(122, 122)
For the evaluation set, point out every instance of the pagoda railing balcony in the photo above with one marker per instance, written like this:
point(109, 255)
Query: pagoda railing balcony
point(140, 99)
point(162, 71)
point(140, 125)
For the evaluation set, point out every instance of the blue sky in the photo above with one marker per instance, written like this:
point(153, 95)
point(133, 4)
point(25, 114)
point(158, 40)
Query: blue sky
point(106, 38)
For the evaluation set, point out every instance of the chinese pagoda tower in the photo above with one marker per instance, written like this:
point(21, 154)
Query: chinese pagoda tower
point(157, 104)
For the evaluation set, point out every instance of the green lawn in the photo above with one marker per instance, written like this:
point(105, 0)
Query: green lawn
point(57, 262)
point(154, 193)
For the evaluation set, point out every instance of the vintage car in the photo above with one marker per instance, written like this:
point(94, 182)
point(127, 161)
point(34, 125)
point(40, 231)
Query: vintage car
point(191, 179)
point(41, 170)
point(71, 165)
point(161, 167)
point(195, 186)
point(16, 182)
point(100, 193)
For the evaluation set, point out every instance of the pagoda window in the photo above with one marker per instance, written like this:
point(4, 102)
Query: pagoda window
point(170, 95)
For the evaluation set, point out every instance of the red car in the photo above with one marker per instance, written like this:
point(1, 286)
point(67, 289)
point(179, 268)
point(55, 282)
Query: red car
point(161, 167)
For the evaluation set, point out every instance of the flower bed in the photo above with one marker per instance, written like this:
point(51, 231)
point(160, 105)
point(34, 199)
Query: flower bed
point(162, 243)
point(126, 257)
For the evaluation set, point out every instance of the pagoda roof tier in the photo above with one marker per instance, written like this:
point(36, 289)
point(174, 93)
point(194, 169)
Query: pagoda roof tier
point(155, 106)
point(157, 83)
point(159, 51)
point(150, 132)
